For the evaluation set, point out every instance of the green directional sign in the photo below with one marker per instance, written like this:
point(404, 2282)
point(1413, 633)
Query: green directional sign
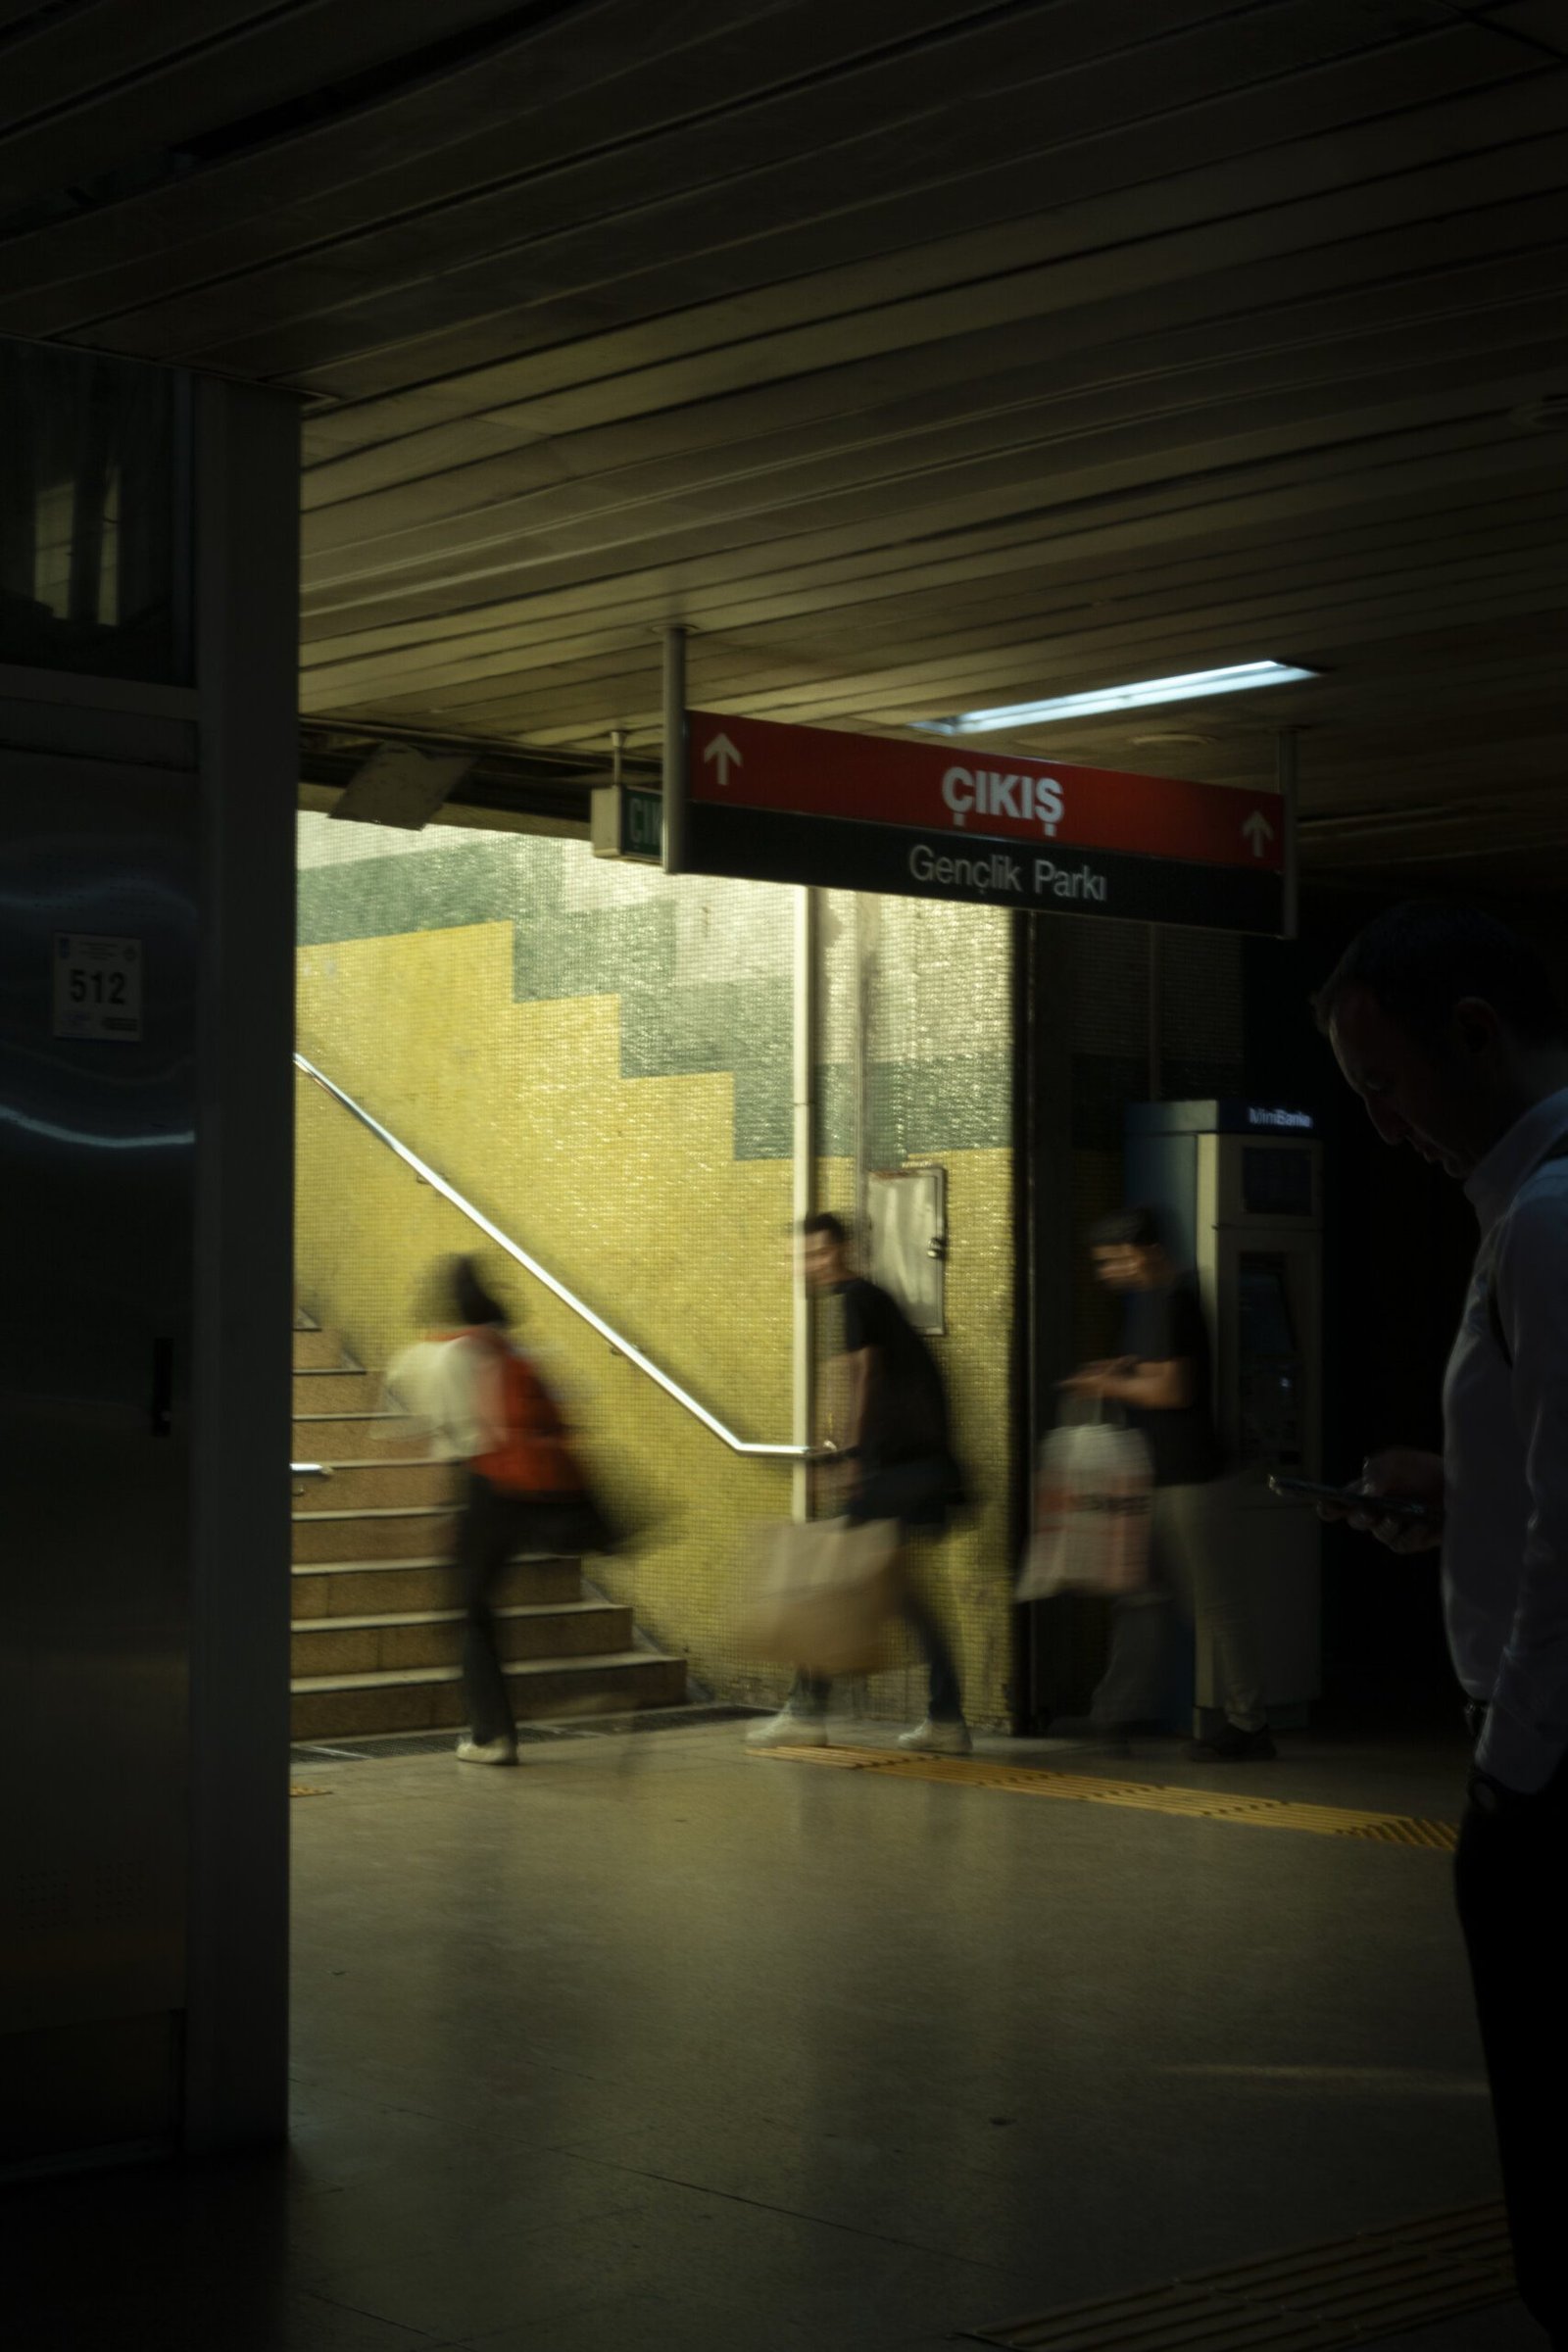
point(626, 823)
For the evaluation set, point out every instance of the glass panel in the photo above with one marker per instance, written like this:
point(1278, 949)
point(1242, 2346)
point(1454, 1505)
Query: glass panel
point(88, 546)
point(1271, 1417)
point(1265, 1309)
point(1276, 1184)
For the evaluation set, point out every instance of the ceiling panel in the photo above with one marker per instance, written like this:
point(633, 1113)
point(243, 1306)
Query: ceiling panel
point(612, 237)
point(911, 353)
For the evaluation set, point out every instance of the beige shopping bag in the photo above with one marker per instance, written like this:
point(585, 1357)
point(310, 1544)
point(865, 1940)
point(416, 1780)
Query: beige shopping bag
point(826, 1597)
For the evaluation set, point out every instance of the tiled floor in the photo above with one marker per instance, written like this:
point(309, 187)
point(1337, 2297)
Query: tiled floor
point(652, 2044)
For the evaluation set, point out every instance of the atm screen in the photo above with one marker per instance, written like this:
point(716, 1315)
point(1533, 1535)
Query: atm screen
point(1265, 1309)
point(1276, 1184)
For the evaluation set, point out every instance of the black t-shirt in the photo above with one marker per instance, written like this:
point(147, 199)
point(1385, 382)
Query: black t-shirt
point(1165, 1326)
point(906, 1404)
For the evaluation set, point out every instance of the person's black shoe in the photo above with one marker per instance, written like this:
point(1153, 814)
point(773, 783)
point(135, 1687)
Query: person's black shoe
point(1232, 1745)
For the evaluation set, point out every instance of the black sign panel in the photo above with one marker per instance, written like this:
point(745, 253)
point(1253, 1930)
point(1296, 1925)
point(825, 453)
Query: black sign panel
point(839, 853)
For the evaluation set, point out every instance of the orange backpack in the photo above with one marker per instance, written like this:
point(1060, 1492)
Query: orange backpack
point(533, 1456)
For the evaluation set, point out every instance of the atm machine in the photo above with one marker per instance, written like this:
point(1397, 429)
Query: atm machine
point(1240, 1189)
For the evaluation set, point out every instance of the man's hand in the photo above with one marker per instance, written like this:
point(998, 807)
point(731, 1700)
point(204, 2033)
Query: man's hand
point(1159, 1388)
point(1097, 1379)
point(832, 1479)
point(1399, 1470)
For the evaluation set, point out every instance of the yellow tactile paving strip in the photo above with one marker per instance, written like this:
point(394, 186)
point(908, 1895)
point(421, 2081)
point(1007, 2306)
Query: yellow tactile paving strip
point(1142, 1797)
point(1342, 2292)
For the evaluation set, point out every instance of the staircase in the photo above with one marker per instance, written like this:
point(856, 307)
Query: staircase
point(376, 1630)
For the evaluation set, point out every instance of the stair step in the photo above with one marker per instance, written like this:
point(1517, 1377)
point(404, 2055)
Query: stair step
point(372, 1534)
point(427, 1698)
point(362, 1436)
point(317, 1351)
point(333, 1589)
point(325, 1647)
point(378, 1482)
point(328, 1391)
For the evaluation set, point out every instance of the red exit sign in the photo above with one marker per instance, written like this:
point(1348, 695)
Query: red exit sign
point(942, 789)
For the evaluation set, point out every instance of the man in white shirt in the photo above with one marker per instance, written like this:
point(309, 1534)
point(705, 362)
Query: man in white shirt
point(1447, 1027)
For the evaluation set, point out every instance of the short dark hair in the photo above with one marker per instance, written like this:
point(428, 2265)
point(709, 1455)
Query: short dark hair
point(475, 1301)
point(1420, 960)
point(1136, 1228)
point(832, 1229)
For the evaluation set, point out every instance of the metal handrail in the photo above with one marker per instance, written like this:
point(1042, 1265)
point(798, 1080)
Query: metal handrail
point(530, 1265)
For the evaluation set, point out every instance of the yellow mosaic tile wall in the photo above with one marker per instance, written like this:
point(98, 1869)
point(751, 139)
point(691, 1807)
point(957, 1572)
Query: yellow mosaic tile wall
point(628, 1191)
point(630, 1188)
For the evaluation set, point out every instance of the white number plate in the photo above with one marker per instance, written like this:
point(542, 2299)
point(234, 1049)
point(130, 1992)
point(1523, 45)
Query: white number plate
point(97, 987)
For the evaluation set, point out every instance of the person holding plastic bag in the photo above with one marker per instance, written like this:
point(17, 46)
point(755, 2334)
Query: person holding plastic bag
point(1163, 1386)
point(896, 1472)
point(1092, 1509)
point(485, 1405)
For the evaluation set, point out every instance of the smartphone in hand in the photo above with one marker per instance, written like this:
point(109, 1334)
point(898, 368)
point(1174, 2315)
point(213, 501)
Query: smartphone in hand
point(1404, 1507)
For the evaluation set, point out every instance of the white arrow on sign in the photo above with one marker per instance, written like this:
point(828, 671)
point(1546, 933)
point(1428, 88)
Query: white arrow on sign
point(726, 753)
point(1257, 830)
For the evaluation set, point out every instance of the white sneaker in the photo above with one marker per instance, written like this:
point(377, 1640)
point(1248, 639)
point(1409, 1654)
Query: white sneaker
point(788, 1730)
point(487, 1752)
point(932, 1738)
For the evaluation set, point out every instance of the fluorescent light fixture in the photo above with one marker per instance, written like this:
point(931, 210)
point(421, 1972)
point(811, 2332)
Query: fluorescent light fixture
point(1194, 685)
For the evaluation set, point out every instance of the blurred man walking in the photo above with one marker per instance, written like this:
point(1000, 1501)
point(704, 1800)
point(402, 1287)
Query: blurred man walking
point(896, 1464)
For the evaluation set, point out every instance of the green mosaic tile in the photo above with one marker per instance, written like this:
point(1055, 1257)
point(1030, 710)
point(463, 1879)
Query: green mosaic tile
point(948, 1103)
point(835, 1110)
point(765, 1112)
point(921, 1101)
point(918, 1109)
point(718, 1025)
point(376, 898)
point(610, 954)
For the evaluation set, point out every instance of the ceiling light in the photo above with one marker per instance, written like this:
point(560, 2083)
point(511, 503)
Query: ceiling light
point(1194, 685)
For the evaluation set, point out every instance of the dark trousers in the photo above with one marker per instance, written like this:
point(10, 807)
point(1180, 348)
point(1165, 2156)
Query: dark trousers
point(1198, 1578)
point(493, 1527)
point(1510, 1871)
